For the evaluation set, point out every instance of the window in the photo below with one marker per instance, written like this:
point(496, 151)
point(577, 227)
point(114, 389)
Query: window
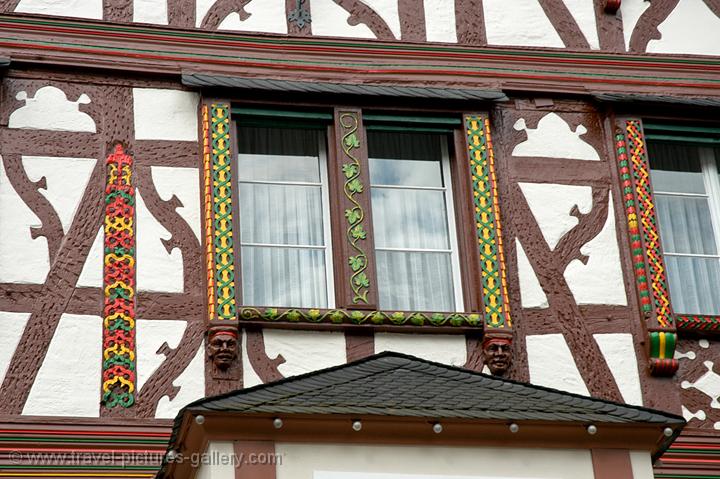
point(289, 179)
point(686, 188)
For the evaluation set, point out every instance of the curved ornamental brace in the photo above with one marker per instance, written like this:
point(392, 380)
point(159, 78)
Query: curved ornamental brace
point(644, 236)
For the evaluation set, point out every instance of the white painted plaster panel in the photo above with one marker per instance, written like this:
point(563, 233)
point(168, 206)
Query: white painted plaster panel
point(641, 464)
point(91, 275)
point(584, 14)
point(691, 28)
point(250, 377)
point(600, 281)
point(553, 138)
point(630, 12)
point(66, 179)
point(50, 109)
point(265, 16)
point(519, 22)
point(151, 335)
point(201, 9)
point(619, 352)
point(183, 183)
point(150, 11)
point(22, 258)
point(388, 11)
point(531, 293)
point(688, 415)
point(221, 461)
point(65, 8)
point(165, 114)
point(552, 365)
point(12, 326)
point(440, 21)
point(69, 380)
point(192, 387)
point(551, 204)
point(157, 270)
point(442, 348)
point(305, 351)
point(315, 461)
point(330, 20)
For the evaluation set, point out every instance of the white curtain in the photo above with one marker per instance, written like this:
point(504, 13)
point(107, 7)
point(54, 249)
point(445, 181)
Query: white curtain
point(686, 229)
point(281, 224)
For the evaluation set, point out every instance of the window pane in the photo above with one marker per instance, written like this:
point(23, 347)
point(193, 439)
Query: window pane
point(405, 172)
point(281, 214)
point(694, 284)
point(675, 167)
point(685, 225)
point(409, 219)
point(278, 154)
point(292, 277)
point(415, 281)
point(396, 145)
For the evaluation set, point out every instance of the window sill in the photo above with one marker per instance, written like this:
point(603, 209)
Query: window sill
point(345, 319)
point(704, 325)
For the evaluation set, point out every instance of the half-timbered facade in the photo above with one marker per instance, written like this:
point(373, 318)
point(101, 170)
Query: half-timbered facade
point(203, 196)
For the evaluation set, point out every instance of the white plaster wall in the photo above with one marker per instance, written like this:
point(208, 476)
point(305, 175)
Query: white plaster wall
point(691, 28)
point(641, 464)
point(50, 109)
point(12, 326)
point(553, 138)
point(630, 12)
point(151, 335)
point(91, 275)
point(552, 365)
point(330, 20)
point(66, 180)
point(250, 377)
point(600, 281)
point(183, 183)
point(224, 451)
point(165, 114)
point(531, 293)
point(584, 14)
point(192, 387)
point(551, 204)
point(69, 380)
point(619, 352)
point(442, 348)
point(306, 461)
point(22, 258)
point(265, 16)
point(440, 21)
point(305, 351)
point(65, 8)
point(519, 22)
point(150, 11)
point(388, 11)
point(157, 270)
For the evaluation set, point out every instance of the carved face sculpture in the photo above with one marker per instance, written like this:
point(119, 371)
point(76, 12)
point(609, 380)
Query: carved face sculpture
point(222, 346)
point(497, 355)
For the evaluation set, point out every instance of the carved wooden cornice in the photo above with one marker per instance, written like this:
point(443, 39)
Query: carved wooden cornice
point(162, 50)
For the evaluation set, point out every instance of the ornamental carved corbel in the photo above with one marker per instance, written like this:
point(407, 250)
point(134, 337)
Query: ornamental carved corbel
point(612, 6)
point(222, 346)
point(497, 352)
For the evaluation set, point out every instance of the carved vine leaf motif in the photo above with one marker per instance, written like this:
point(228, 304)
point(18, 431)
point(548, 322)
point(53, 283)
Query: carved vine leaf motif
point(361, 13)
point(359, 282)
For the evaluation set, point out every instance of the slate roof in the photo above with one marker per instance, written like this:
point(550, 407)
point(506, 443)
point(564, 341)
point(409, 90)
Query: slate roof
point(234, 82)
point(394, 384)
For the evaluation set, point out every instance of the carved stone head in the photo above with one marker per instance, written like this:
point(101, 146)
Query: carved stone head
point(222, 346)
point(497, 354)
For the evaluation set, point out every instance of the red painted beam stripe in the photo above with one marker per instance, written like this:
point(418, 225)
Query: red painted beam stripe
point(84, 433)
point(79, 450)
point(523, 76)
point(667, 460)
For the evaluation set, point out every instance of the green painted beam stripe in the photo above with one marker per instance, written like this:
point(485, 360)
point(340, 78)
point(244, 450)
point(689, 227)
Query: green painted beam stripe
point(692, 129)
point(284, 114)
point(684, 139)
point(363, 65)
point(414, 119)
point(369, 46)
point(711, 452)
